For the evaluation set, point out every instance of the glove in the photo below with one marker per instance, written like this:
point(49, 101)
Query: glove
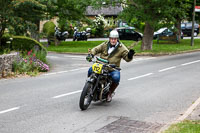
point(131, 53)
point(89, 57)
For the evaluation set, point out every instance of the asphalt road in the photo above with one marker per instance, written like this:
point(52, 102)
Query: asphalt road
point(153, 91)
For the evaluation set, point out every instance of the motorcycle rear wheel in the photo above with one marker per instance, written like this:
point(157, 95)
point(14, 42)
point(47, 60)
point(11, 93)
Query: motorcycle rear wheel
point(86, 98)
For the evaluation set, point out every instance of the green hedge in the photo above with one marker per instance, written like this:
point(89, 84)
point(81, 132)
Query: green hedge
point(49, 28)
point(22, 43)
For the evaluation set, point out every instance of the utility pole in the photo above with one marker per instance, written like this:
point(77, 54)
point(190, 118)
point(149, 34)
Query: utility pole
point(193, 19)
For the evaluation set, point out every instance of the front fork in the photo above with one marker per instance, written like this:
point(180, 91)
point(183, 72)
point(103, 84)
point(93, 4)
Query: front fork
point(94, 80)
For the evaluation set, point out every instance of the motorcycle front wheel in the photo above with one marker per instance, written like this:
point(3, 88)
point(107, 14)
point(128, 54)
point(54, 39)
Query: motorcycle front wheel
point(86, 98)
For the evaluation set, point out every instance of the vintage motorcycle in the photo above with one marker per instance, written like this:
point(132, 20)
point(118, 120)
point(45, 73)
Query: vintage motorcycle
point(61, 36)
point(98, 83)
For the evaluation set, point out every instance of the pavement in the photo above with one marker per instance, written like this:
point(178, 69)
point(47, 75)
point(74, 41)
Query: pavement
point(195, 115)
point(192, 114)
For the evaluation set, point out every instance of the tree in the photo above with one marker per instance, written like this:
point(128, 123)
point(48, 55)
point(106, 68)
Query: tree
point(179, 10)
point(67, 10)
point(6, 10)
point(152, 13)
point(156, 14)
point(28, 15)
point(190, 11)
point(21, 16)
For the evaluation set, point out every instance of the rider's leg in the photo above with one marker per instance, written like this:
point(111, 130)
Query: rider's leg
point(116, 78)
point(89, 71)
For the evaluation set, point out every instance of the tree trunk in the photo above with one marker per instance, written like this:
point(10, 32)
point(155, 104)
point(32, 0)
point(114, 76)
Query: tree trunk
point(1, 35)
point(147, 40)
point(178, 27)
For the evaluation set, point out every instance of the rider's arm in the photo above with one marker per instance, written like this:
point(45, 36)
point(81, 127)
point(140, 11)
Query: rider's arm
point(98, 49)
point(125, 52)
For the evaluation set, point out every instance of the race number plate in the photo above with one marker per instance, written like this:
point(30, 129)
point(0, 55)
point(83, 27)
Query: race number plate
point(96, 67)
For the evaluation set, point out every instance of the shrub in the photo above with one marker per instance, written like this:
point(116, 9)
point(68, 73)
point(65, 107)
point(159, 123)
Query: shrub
point(21, 43)
point(49, 30)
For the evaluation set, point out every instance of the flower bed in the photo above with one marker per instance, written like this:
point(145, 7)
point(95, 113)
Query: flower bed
point(30, 63)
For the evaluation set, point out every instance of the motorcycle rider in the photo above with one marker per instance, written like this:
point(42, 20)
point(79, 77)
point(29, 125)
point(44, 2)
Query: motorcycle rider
point(113, 51)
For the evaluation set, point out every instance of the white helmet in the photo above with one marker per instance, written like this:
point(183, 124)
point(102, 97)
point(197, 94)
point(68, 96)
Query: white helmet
point(114, 34)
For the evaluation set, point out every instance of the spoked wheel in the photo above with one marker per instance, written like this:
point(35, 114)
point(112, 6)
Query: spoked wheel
point(86, 98)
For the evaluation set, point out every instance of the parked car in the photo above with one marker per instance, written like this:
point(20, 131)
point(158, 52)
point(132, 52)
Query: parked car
point(164, 32)
point(187, 29)
point(128, 33)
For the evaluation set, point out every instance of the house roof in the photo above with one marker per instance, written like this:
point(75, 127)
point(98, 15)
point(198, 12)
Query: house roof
point(110, 10)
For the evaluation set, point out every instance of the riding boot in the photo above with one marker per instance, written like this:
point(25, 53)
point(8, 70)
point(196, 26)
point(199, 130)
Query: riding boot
point(111, 90)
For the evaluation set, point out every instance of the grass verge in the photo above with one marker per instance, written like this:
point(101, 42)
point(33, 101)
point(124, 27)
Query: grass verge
point(185, 127)
point(163, 47)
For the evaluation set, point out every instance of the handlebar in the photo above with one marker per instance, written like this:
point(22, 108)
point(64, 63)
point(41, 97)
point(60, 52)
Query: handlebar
point(102, 60)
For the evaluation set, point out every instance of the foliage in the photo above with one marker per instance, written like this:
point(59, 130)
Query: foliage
point(68, 10)
point(29, 63)
point(6, 10)
point(21, 43)
point(99, 23)
point(21, 17)
point(149, 17)
point(49, 28)
point(190, 11)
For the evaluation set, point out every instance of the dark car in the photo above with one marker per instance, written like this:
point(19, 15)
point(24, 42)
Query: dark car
point(187, 29)
point(164, 32)
point(128, 33)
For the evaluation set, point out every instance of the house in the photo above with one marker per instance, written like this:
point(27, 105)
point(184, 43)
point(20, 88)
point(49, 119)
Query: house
point(109, 12)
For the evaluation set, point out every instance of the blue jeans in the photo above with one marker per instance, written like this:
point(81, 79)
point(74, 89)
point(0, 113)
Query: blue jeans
point(114, 74)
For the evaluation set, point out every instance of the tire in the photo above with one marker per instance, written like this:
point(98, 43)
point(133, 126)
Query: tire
point(195, 34)
point(139, 39)
point(86, 98)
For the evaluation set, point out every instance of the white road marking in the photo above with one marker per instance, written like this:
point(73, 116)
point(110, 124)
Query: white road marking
point(145, 75)
point(74, 70)
point(67, 94)
point(190, 63)
point(65, 71)
point(54, 57)
point(141, 59)
point(8, 110)
point(75, 56)
point(3, 79)
point(79, 59)
point(165, 69)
